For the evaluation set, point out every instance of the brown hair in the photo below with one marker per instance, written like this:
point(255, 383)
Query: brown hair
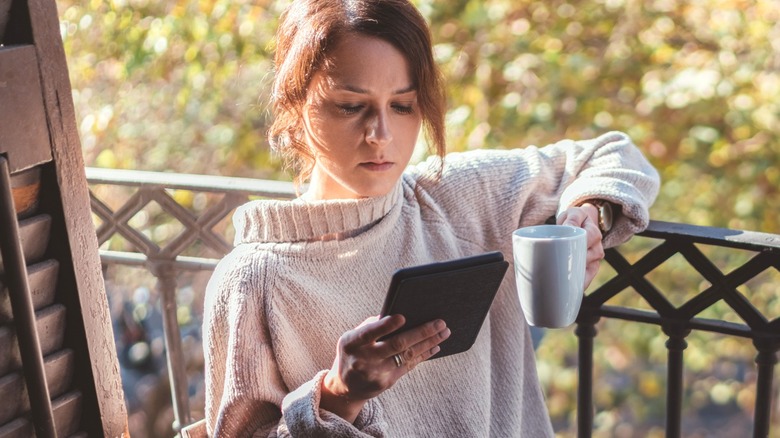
point(309, 28)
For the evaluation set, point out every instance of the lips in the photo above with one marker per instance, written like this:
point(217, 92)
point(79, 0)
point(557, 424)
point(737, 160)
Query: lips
point(377, 166)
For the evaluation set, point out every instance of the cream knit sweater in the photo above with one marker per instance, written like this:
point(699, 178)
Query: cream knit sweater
point(277, 304)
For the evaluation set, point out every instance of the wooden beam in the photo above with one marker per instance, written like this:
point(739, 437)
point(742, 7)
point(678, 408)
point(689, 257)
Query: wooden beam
point(5, 10)
point(81, 237)
point(25, 138)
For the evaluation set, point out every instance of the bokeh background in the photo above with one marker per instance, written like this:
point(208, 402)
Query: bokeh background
point(182, 86)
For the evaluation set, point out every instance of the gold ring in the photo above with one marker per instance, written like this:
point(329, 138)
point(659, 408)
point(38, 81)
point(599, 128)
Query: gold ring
point(398, 360)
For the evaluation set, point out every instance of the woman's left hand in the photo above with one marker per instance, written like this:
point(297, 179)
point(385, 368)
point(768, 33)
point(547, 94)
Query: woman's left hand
point(586, 216)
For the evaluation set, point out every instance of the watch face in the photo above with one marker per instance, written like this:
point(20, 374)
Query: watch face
point(605, 217)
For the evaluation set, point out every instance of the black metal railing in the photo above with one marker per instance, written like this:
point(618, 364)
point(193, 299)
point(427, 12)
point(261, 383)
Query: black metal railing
point(205, 227)
point(677, 322)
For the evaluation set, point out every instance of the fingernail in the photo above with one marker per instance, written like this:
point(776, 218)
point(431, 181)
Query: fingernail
point(435, 350)
point(446, 334)
point(440, 324)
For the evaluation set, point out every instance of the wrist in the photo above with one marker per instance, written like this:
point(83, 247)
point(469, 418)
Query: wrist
point(605, 213)
point(591, 210)
point(335, 399)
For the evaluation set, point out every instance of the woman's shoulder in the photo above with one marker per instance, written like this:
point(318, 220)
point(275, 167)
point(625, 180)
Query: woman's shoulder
point(489, 163)
point(477, 160)
point(473, 168)
point(242, 269)
point(467, 159)
point(462, 183)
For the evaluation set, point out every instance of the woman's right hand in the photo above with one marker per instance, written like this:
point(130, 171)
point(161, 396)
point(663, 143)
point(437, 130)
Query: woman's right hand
point(365, 367)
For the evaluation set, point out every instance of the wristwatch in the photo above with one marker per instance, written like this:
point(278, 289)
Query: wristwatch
point(606, 214)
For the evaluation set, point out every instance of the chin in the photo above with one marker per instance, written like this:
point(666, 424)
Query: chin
point(373, 192)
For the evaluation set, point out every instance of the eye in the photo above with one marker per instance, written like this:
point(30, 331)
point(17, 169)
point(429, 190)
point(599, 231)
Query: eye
point(403, 109)
point(348, 109)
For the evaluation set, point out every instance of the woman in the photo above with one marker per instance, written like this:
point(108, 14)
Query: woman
point(290, 342)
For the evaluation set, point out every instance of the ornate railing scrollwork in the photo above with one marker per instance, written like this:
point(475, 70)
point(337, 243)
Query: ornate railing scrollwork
point(165, 260)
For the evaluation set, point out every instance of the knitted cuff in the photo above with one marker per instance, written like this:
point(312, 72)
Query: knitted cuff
point(303, 417)
point(633, 216)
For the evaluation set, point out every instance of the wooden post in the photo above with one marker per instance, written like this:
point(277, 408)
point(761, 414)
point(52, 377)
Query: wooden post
point(38, 134)
point(82, 241)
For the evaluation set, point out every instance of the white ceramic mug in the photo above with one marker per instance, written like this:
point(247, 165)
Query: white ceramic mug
point(550, 273)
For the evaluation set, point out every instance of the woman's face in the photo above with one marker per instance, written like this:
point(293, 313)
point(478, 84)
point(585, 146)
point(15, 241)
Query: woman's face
point(361, 120)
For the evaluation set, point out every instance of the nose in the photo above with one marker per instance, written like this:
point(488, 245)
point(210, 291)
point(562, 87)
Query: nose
point(378, 130)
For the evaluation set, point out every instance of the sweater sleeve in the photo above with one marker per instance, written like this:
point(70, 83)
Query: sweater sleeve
point(613, 169)
point(486, 194)
point(245, 391)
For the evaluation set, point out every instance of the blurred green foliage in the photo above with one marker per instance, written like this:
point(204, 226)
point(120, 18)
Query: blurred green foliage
point(183, 86)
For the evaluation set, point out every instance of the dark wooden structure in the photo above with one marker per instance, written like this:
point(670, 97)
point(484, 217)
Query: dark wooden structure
point(59, 374)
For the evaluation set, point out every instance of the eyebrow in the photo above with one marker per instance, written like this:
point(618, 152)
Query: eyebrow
point(359, 90)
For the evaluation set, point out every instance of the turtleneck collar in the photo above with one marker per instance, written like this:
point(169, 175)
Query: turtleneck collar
point(298, 220)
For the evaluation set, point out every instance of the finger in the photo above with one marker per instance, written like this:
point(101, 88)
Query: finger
point(422, 350)
point(408, 365)
point(595, 253)
point(403, 341)
point(574, 217)
point(369, 320)
point(592, 233)
point(374, 328)
point(590, 273)
point(592, 268)
point(429, 353)
point(593, 258)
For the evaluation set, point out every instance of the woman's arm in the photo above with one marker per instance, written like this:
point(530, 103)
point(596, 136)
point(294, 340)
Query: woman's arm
point(486, 194)
point(243, 386)
point(245, 392)
point(611, 168)
point(365, 367)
